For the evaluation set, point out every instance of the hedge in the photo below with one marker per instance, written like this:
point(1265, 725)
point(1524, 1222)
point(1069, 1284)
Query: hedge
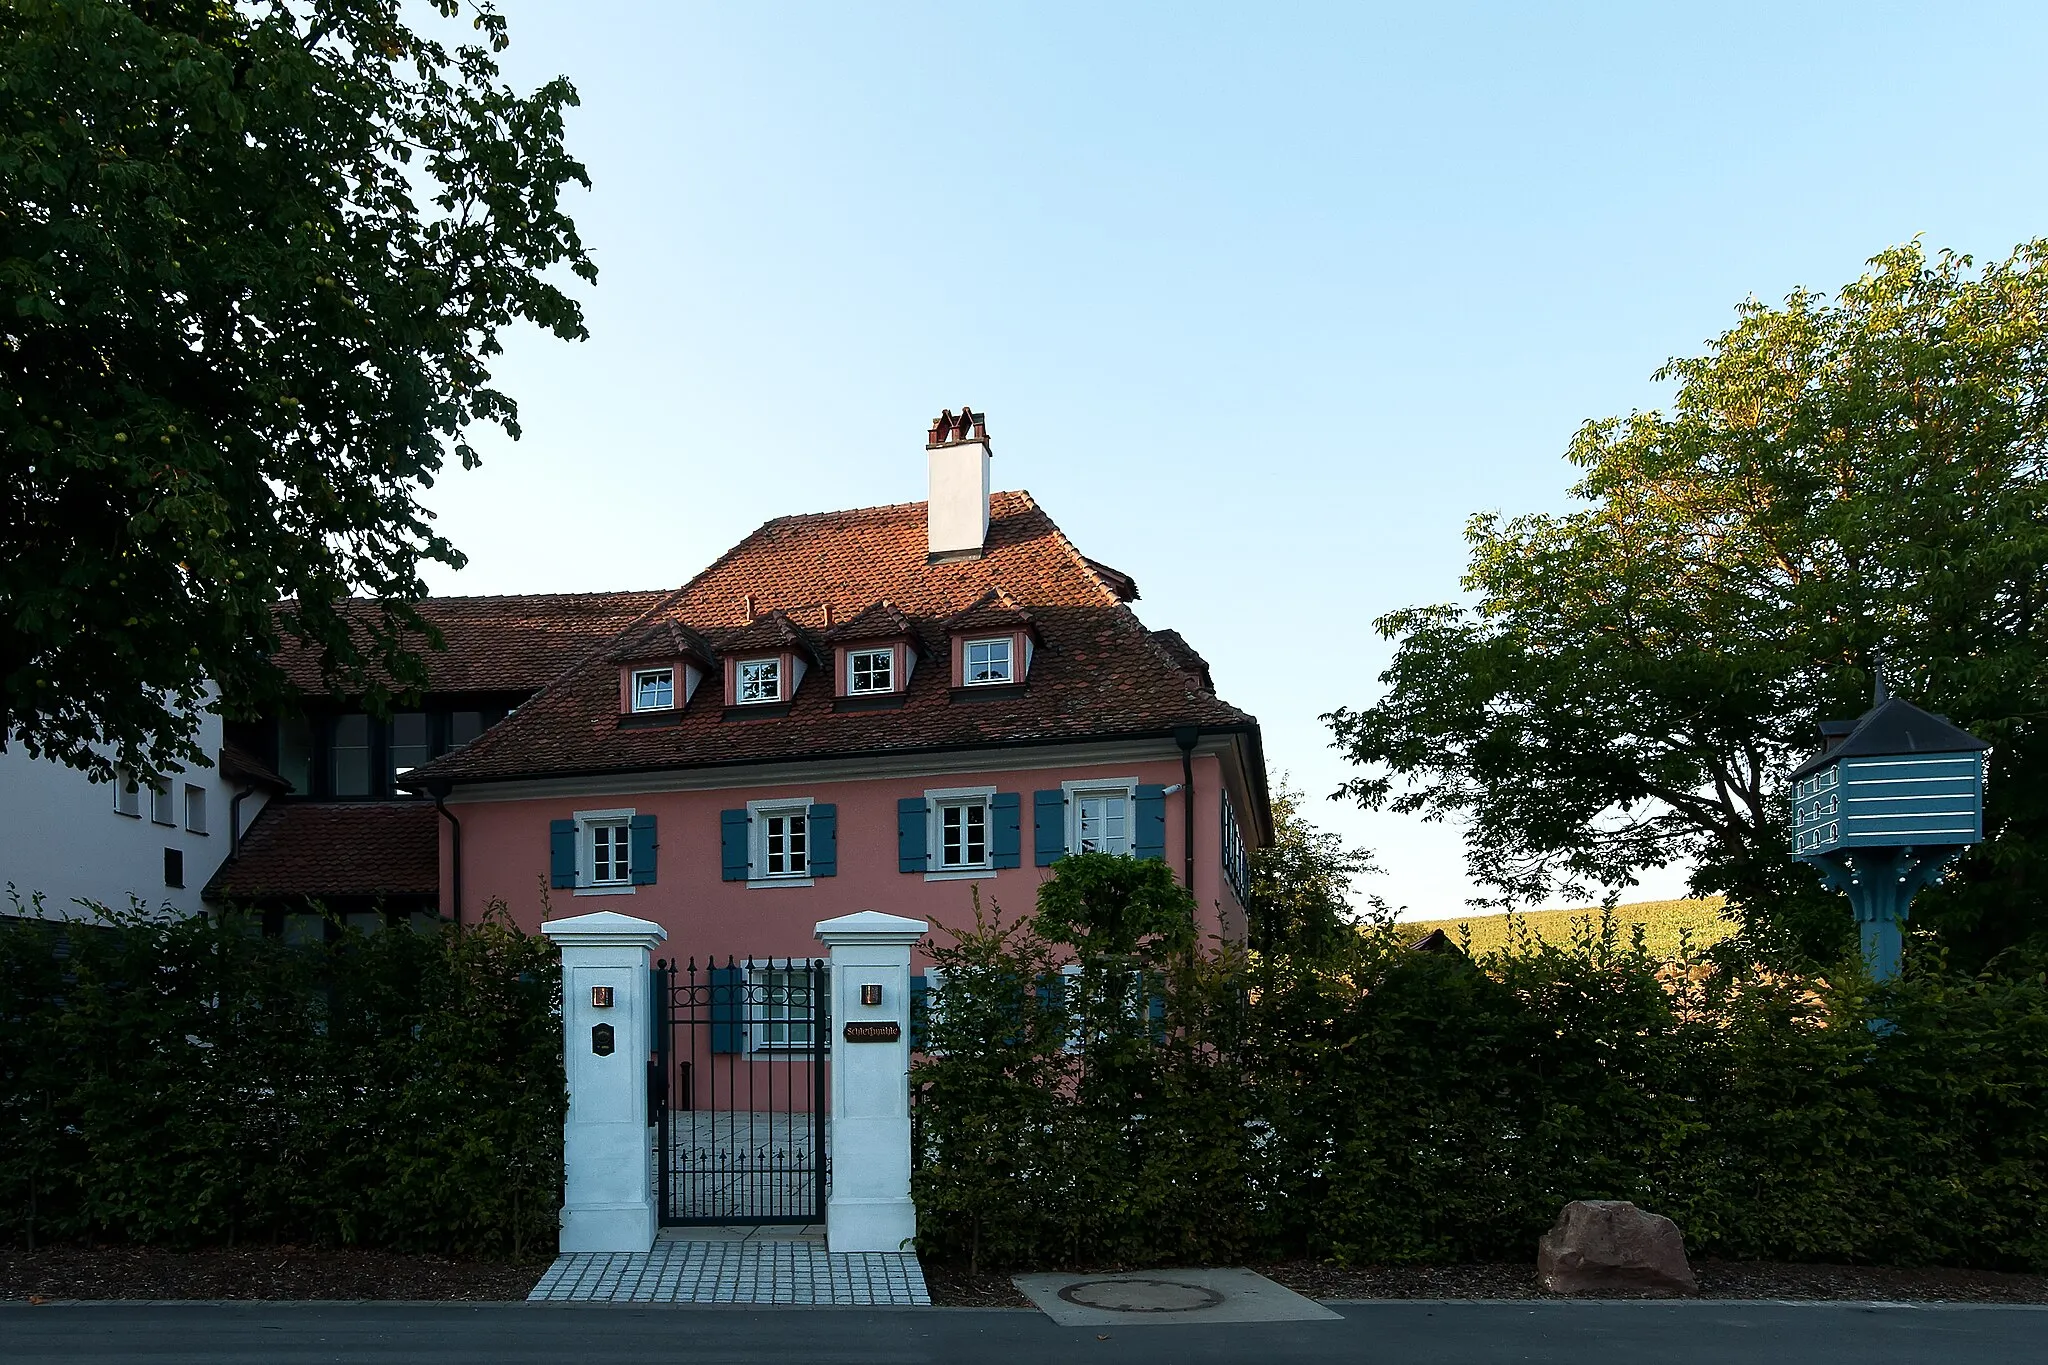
point(187, 1081)
point(1398, 1106)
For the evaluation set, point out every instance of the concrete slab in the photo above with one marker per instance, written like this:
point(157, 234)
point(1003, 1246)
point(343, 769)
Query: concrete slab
point(1155, 1298)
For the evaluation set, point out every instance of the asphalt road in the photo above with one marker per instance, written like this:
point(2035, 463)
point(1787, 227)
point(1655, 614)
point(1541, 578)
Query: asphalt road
point(1415, 1333)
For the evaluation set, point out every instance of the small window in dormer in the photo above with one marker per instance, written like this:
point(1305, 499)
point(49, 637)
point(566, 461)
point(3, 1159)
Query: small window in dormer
point(988, 661)
point(871, 670)
point(760, 680)
point(654, 689)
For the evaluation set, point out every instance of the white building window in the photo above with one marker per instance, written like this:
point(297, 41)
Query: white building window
point(783, 1012)
point(654, 689)
point(760, 680)
point(195, 809)
point(1099, 815)
point(871, 670)
point(988, 662)
point(127, 795)
point(610, 858)
point(160, 811)
point(962, 833)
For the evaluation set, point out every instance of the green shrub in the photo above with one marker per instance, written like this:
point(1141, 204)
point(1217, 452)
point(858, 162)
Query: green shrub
point(1388, 1106)
point(186, 1081)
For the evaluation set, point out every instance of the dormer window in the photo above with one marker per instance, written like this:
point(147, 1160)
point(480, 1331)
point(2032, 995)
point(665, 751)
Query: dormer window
point(870, 671)
point(654, 689)
point(989, 662)
point(760, 680)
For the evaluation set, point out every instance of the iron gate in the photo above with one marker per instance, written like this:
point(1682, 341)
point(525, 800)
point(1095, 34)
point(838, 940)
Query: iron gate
point(739, 1091)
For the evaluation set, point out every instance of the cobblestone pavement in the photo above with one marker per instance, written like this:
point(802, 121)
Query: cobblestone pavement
point(757, 1270)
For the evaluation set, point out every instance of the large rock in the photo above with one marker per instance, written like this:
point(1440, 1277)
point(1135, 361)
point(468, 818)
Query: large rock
point(1610, 1244)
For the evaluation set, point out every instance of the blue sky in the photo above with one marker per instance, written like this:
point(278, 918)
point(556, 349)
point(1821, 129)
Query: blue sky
point(1262, 300)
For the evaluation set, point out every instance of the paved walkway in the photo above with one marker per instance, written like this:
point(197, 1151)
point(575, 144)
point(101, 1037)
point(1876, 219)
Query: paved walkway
point(787, 1266)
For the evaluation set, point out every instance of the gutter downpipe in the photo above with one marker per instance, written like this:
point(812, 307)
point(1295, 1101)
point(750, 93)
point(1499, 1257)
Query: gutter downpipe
point(439, 790)
point(1187, 736)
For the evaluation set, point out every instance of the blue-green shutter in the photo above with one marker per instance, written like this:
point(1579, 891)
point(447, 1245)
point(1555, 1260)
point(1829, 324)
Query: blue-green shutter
point(728, 1007)
point(732, 844)
point(910, 832)
point(640, 844)
point(1048, 826)
point(920, 1009)
point(823, 829)
point(1006, 814)
point(561, 853)
point(1149, 840)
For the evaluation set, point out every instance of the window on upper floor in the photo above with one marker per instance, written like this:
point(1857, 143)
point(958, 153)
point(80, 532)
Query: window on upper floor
point(348, 756)
point(464, 726)
point(760, 680)
point(785, 841)
point(195, 809)
point(654, 689)
point(1101, 820)
point(870, 670)
point(295, 753)
point(988, 662)
point(411, 742)
point(961, 830)
point(1237, 863)
point(610, 856)
point(160, 808)
point(127, 794)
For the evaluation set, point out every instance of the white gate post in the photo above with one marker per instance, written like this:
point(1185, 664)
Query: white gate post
point(869, 1208)
point(607, 1034)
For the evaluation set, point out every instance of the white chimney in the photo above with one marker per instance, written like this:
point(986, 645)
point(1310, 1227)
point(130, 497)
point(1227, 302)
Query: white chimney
point(956, 516)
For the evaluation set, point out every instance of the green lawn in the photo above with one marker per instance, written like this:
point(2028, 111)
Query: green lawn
point(1662, 922)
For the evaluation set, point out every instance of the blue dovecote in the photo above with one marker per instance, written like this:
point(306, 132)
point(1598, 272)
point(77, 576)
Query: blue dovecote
point(1884, 806)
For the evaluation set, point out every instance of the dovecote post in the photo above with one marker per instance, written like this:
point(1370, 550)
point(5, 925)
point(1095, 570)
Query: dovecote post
point(1889, 801)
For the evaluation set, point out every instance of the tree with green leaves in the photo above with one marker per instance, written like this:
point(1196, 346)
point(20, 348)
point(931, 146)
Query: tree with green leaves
point(256, 262)
point(1839, 480)
point(1301, 884)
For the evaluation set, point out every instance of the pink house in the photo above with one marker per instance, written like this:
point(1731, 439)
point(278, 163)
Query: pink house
point(882, 709)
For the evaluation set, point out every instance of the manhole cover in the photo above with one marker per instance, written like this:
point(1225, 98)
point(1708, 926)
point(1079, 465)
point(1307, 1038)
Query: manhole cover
point(1141, 1296)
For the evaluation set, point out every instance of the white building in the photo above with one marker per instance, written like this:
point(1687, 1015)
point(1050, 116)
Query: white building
point(77, 842)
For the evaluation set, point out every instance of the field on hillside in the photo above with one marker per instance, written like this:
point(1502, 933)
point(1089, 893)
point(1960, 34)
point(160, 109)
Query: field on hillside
point(1663, 922)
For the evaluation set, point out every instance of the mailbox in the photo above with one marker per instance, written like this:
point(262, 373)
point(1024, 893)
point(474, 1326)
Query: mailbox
point(601, 1039)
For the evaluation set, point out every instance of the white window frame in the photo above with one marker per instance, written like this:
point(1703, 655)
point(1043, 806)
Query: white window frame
point(162, 810)
point(195, 808)
point(739, 681)
point(1009, 644)
point(1074, 791)
point(587, 824)
point(758, 815)
point(127, 794)
point(759, 983)
point(633, 688)
point(935, 803)
point(853, 657)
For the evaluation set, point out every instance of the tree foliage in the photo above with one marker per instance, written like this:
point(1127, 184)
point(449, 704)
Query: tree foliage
point(1838, 480)
point(1301, 883)
point(256, 260)
point(1104, 903)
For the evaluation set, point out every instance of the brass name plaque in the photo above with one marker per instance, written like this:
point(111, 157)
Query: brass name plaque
point(873, 1031)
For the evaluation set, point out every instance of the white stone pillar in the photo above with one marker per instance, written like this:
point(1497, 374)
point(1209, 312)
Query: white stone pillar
point(869, 1208)
point(607, 1034)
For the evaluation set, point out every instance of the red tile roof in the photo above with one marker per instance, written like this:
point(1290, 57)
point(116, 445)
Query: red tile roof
point(499, 644)
point(993, 610)
point(669, 639)
point(1099, 674)
point(334, 849)
point(770, 631)
point(882, 621)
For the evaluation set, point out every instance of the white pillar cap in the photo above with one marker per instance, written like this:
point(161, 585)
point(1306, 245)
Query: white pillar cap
point(605, 929)
point(871, 926)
